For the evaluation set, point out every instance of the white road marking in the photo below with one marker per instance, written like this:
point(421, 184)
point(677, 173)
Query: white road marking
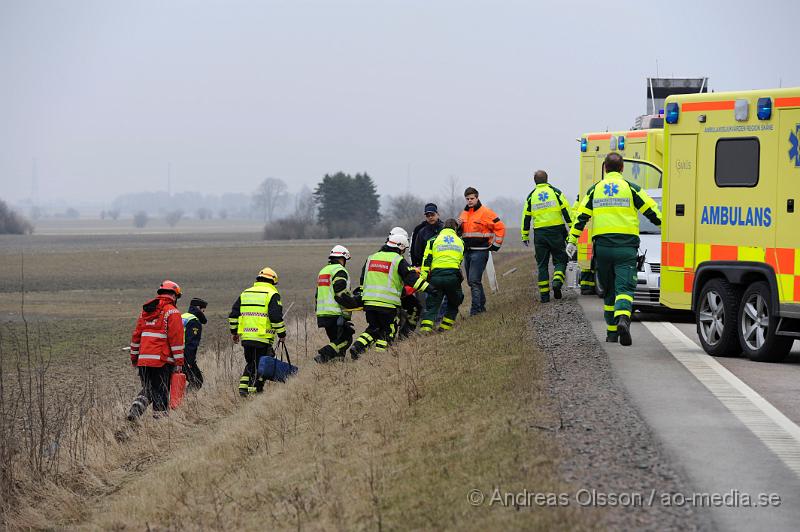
point(774, 429)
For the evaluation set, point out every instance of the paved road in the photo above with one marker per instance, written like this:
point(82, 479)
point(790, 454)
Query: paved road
point(715, 417)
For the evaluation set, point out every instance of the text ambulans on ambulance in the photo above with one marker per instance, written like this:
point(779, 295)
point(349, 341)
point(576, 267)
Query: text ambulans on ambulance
point(644, 145)
point(731, 231)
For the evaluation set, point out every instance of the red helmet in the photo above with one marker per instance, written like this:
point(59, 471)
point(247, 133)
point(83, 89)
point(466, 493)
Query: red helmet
point(169, 286)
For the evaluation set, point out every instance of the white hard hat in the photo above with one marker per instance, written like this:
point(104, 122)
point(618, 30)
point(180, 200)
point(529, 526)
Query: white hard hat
point(340, 251)
point(398, 231)
point(398, 241)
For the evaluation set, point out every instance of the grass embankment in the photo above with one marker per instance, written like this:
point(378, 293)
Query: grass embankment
point(395, 440)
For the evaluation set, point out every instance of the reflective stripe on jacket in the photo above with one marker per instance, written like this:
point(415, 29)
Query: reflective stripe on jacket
point(158, 336)
point(326, 302)
point(446, 251)
point(254, 323)
point(382, 282)
point(545, 207)
point(614, 205)
point(481, 228)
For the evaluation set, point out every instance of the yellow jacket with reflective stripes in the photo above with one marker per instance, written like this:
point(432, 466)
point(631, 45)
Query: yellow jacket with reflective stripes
point(546, 206)
point(614, 204)
point(326, 301)
point(444, 251)
point(383, 285)
point(252, 321)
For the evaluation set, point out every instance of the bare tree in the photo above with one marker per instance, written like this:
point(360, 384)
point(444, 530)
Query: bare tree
point(453, 200)
point(269, 194)
point(305, 208)
point(173, 217)
point(405, 210)
point(508, 209)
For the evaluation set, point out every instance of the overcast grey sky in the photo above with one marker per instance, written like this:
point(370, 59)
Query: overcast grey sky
point(104, 94)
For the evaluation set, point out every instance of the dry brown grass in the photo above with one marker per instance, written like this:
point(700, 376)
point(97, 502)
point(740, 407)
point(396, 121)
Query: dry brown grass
point(395, 440)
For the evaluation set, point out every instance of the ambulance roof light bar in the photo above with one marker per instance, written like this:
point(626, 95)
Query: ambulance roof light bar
point(672, 113)
point(764, 108)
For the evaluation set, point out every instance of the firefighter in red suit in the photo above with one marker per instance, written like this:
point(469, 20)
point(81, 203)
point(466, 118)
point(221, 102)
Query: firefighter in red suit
point(157, 349)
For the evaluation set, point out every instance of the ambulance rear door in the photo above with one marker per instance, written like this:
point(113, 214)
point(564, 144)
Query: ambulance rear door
point(787, 212)
point(679, 217)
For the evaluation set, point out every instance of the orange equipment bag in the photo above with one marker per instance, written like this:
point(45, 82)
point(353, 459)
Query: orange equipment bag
point(177, 389)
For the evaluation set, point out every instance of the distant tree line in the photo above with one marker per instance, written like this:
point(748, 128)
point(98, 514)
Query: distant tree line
point(344, 205)
point(13, 223)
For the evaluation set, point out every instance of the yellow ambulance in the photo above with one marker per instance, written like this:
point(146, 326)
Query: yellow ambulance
point(643, 153)
point(731, 231)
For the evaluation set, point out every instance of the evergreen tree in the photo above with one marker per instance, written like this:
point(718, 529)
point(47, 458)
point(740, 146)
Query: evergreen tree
point(348, 206)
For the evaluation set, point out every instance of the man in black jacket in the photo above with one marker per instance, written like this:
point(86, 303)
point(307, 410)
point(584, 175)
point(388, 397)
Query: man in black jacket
point(424, 232)
point(193, 322)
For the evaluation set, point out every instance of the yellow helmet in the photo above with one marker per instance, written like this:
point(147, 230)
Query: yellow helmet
point(269, 273)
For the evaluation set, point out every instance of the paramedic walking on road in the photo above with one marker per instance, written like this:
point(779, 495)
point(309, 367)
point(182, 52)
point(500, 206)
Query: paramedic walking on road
point(615, 205)
point(482, 232)
point(547, 207)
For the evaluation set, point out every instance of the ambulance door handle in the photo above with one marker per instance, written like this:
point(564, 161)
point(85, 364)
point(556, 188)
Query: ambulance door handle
point(790, 205)
point(679, 209)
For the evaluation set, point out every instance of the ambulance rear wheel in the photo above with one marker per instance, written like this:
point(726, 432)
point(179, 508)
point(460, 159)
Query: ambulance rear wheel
point(758, 325)
point(717, 314)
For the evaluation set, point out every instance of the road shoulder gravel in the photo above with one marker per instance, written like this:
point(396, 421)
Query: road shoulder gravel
point(609, 452)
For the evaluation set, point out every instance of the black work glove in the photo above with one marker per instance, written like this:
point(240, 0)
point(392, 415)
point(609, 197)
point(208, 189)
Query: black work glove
point(494, 248)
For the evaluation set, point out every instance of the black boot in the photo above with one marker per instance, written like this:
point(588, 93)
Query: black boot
point(326, 354)
point(557, 290)
point(612, 337)
point(624, 330)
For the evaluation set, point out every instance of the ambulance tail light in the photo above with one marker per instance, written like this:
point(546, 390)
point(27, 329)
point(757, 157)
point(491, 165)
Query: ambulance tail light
point(584, 144)
point(764, 108)
point(621, 143)
point(672, 113)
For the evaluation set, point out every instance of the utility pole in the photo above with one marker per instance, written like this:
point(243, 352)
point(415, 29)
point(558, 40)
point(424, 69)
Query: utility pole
point(34, 182)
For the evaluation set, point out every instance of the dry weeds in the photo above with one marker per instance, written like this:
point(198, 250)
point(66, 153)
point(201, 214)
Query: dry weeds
point(395, 440)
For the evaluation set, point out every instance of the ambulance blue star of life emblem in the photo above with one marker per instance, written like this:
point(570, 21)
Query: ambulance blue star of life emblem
point(794, 152)
point(449, 239)
point(543, 196)
point(611, 189)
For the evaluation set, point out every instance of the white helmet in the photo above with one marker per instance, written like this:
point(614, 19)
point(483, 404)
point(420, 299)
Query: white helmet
point(398, 231)
point(398, 241)
point(339, 251)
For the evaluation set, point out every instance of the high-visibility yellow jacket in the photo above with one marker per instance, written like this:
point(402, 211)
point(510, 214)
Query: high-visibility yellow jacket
point(326, 290)
point(383, 277)
point(257, 315)
point(546, 206)
point(446, 251)
point(614, 204)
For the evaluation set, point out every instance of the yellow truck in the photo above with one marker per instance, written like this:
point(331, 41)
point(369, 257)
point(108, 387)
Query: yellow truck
point(643, 153)
point(731, 231)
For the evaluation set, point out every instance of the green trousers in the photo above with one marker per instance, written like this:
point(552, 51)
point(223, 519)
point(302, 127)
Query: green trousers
point(587, 282)
point(444, 282)
point(547, 242)
point(616, 269)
